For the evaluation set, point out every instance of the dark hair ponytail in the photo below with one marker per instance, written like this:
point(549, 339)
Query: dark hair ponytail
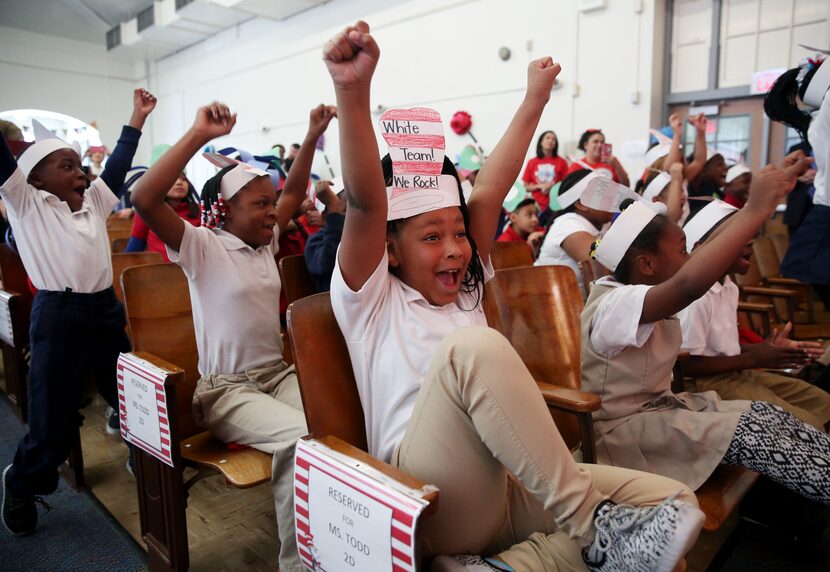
point(473, 282)
point(780, 103)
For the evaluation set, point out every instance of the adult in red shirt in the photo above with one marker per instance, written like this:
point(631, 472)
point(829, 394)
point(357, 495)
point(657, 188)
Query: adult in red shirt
point(591, 142)
point(184, 200)
point(543, 171)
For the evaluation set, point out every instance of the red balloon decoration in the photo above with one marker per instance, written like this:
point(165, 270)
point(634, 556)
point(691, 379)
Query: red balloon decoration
point(461, 122)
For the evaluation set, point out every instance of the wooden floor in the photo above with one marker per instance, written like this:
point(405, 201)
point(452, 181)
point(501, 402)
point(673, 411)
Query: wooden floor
point(228, 529)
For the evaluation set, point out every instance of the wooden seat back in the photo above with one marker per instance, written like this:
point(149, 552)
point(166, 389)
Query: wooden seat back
point(538, 310)
point(296, 280)
point(157, 301)
point(591, 270)
point(780, 242)
point(324, 370)
point(123, 260)
point(764, 253)
point(14, 276)
point(119, 245)
point(511, 254)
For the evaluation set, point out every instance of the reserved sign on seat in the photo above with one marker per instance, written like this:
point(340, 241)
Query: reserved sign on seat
point(143, 406)
point(351, 516)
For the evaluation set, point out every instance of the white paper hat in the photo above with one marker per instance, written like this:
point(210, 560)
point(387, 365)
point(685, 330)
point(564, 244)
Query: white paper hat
point(656, 186)
point(46, 142)
point(236, 178)
point(603, 194)
point(818, 86)
point(705, 220)
point(622, 233)
point(573, 194)
point(660, 150)
point(416, 146)
point(736, 171)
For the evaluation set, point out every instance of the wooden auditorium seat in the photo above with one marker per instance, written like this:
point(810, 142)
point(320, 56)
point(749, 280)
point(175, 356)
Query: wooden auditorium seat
point(157, 301)
point(119, 245)
point(538, 310)
point(123, 260)
point(511, 254)
point(296, 280)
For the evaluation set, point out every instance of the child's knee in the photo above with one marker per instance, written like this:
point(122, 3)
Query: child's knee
point(479, 341)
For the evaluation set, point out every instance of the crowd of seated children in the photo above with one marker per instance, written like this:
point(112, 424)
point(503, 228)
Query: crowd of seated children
point(445, 398)
point(59, 220)
point(631, 339)
point(720, 363)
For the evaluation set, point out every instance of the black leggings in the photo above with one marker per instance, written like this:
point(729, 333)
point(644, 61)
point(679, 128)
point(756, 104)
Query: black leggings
point(778, 445)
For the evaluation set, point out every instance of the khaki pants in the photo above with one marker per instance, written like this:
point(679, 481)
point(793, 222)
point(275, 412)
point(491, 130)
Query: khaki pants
point(482, 433)
point(804, 400)
point(261, 408)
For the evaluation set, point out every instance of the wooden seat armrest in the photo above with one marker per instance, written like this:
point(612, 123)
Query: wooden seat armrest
point(757, 308)
point(787, 282)
point(571, 400)
point(683, 356)
point(162, 364)
point(773, 292)
point(430, 493)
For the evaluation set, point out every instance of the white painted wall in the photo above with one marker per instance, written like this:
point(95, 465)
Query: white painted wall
point(441, 54)
point(76, 78)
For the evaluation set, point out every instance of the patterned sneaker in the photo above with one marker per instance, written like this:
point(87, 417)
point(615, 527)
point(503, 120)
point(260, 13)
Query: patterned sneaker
point(19, 512)
point(641, 539)
point(113, 422)
point(468, 563)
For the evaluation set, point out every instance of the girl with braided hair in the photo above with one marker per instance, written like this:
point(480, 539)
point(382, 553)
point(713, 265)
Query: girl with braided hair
point(247, 393)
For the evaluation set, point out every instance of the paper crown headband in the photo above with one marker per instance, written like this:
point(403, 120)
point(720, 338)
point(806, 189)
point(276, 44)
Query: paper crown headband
point(416, 146)
point(818, 86)
point(263, 162)
point(46, 142)
point(736, 171)
point(660, 150)
point(236, 178)
point(705, 220)
point(656, 186)
point(573, 194)
point(602, 193)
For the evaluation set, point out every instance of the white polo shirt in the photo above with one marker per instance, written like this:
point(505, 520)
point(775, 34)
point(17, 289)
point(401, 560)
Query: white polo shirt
point(616, 325)
point(710, 323)
point(392, 333)
point(235, 295)
point(552, 252)
point(819, 135)
point(61, 249)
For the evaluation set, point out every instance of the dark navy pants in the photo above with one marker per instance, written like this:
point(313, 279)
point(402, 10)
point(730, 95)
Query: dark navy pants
point(71, 336)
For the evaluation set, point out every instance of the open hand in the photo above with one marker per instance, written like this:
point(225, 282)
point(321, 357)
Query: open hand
point(780, 338)
point(541, 75)
point(213, 121)
point(351, 56)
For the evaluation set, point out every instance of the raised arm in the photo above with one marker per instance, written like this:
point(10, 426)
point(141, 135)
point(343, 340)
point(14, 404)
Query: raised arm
point(351, 57)
point(676, 150)
point(699, 160)
point(502, 167)
point(712, 259)
point(212, 121)
point(121, 158)
point(294, 192)
point(674, 193)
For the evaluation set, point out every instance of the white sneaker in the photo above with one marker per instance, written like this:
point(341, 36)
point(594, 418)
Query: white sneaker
point(468, 563)
point(113, 424)
point(643, 539)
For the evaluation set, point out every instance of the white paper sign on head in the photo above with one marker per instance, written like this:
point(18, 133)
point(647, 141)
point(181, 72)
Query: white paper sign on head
point(350, 516)
point(142, 406)
point(416, 146)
